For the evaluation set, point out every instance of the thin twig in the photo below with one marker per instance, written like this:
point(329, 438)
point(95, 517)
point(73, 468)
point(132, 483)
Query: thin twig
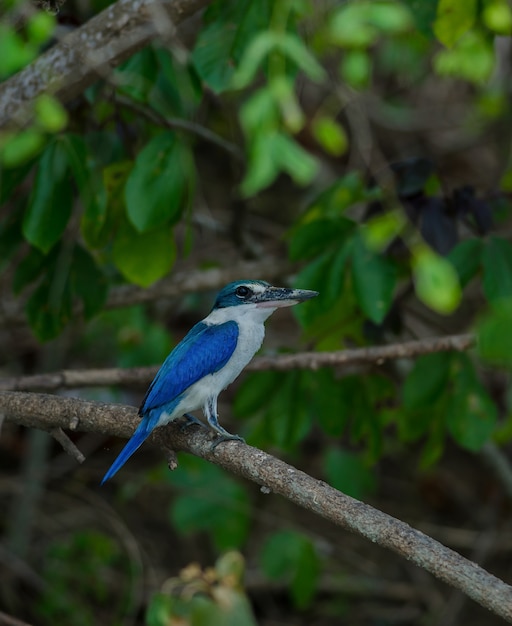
point(178, 123)
point(499, 463)
point(142, 376)
point(59, 435)
point(9, 620)
point(47, 412)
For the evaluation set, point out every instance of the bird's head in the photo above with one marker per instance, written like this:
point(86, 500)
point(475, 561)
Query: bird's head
point(260, 294)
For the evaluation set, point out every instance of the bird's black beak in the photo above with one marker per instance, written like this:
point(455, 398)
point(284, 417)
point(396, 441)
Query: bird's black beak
point(277, 297)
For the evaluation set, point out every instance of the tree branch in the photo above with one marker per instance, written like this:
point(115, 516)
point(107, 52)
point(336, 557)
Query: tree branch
point(142, 376)
point(177, 284)
point(48, 412)
point(91, 51)
point(375, 354)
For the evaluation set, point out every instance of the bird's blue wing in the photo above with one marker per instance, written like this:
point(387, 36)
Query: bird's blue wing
point(205, 350)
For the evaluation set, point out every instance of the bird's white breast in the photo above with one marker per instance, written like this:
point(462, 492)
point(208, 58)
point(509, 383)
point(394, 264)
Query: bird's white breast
point(251, 332)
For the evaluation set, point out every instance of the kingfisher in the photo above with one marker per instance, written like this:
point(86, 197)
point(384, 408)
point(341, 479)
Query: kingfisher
point(208, 359)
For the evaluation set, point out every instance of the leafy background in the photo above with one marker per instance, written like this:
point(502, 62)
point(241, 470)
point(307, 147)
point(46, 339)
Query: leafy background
point(365, 148)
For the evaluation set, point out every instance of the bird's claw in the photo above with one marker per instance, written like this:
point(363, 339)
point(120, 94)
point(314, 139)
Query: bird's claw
point(191, 421)
point(226, 437)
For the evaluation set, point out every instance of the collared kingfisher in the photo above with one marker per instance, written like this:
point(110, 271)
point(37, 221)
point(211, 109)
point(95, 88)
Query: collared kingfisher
point(209, 359)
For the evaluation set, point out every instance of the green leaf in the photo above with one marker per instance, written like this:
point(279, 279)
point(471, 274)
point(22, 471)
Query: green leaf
point(424, 14)
point(466, 258)
point(50, 113)
point(255, 392)
point(348, 473)
point(273, 153)
point(65, 278)
point(89, 181)
point(263, 167)
point(382, 229)
point(15, 53)
point(472, 58)
point(471, 414)
point(17, 149)
point(497, 16)
point(158, 186)
point(454, 18)
point(49, 307)
point(289, 44)
point(330, 135)
point(311, 238)
point(299, 164)
point(230, 26)
point(497, 269)
point(210, 500)
point(291, 556)
point(294, 48)
point(436, 281)
point(177, 89)
point(29, 268)
point(333, 400)
point(136, 76)
point(326, 274)
point(50, 204)
point(356, 68)
point(259, 113)
point(87, 282)
point(374, 280)
point(40, 26)
point(144, 258)
point(287, 419)
point(104, 202)
point(160, 610)
point(359, 24)
point(11, 238)
point(427, 380)
point(342, 194)
point(11, 178)
point(262, 44)
point(495, 335)
point(282, 88)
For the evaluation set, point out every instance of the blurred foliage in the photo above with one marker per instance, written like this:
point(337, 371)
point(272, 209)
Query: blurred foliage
point(78, 570)
point(210, 597)
point(102, 193)
point(210, 500)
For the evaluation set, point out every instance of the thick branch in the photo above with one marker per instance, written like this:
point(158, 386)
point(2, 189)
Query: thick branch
point(48, 412)
point(142, 376)
point(84, 55)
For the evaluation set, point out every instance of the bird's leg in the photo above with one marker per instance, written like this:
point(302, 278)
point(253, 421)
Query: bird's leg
point(190, 421)
point(210, 410)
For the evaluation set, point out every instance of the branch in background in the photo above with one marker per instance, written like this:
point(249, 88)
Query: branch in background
point(142, 376)
point(59, 435)
point(89, 52)
point(177, 284)
point(49, 412)
point(376, 354)
point(178, 123)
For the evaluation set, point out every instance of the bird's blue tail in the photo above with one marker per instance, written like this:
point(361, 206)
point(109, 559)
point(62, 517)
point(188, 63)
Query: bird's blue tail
point(143, 431)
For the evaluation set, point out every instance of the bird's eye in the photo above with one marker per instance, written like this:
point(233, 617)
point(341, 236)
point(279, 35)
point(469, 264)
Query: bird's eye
point(243, 291)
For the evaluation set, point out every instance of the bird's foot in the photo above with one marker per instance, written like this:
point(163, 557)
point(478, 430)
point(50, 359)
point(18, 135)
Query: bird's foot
point(191, 421)
point(225, 437)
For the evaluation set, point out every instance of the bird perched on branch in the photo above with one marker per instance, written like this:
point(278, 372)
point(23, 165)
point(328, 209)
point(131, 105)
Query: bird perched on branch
point(208, 359)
